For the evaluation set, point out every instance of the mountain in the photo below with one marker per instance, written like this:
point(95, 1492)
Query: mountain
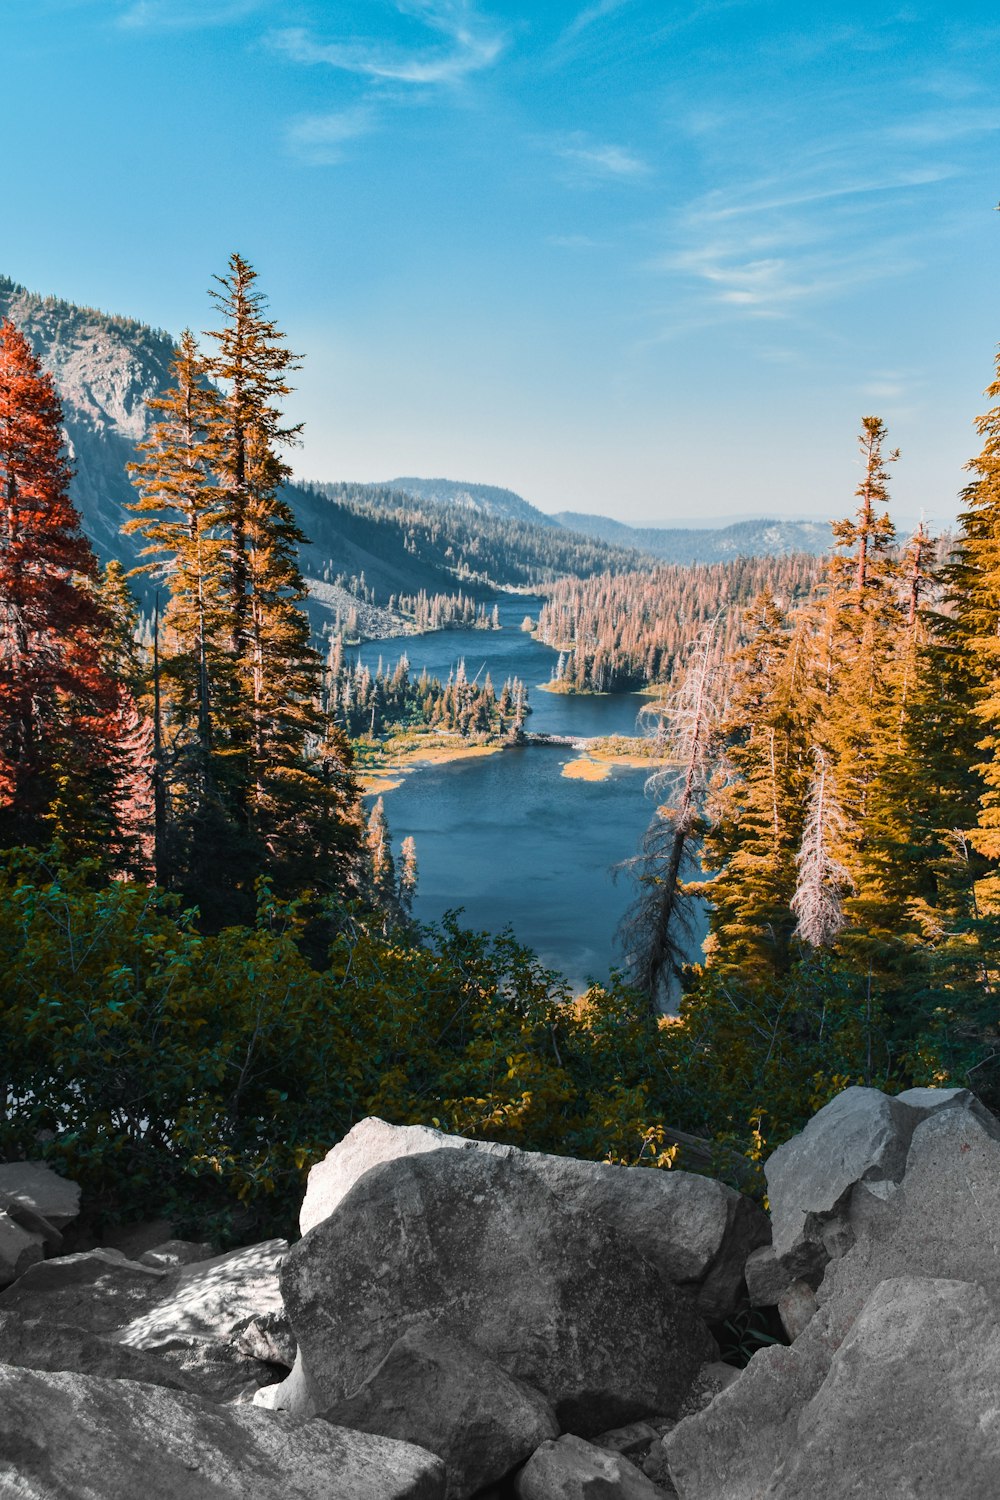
point(763, 538)
point(487, 499)
point(105, 369)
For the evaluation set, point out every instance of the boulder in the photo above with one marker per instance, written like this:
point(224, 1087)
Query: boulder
point(571, 1469)
point(23, 1214)
point(730, 1449)
point(79, 1437)
point(860, 1136)
point(766, 1277)
point(642, 1444)
point(695, 1231)
point(796, 1307)
point(19, 1249)
point(443, 1394)
point(212, 1299)
point(97, 1290)
point(853, 1151)
point(42, 1190)
point(931, 1227)
point(173, 1254)
point(909, 1406)
point(269, 1338)
point(37, 1344)
point(477, 1243)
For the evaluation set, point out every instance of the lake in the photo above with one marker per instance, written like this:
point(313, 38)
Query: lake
point(508, 837)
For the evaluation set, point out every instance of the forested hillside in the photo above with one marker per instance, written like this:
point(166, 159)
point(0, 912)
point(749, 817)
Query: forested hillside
point(489, 499)
point(624, 632)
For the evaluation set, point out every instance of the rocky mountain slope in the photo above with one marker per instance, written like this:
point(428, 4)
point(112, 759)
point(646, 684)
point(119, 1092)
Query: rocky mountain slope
point(764, 538)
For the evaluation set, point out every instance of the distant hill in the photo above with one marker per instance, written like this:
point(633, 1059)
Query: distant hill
point(487, 499)
point(764, 538)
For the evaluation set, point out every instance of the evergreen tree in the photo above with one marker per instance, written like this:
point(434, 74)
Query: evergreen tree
point(63, 768)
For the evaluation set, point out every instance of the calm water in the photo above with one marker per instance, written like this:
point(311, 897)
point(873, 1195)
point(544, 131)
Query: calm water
point(508, 837)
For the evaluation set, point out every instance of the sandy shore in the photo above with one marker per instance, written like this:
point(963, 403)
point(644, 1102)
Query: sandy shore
point(387, 775)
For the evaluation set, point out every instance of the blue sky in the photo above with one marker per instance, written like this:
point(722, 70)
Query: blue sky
point(631, 257)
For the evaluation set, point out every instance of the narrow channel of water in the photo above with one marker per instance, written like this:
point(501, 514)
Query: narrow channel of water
point(508, 837)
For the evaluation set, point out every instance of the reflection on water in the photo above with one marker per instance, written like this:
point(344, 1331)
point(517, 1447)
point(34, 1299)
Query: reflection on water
point(508, 837)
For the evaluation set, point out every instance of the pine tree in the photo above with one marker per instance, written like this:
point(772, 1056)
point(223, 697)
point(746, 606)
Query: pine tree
point(62, 766)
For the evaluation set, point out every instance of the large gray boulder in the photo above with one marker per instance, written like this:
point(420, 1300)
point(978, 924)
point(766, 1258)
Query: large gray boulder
point(697, 1232)
point(939, 1223)
point(82, 1438)
point(910, 1404)
point(571, 1469)
point(853, 1151)
point(478, 1244)
point(39, 1188)
point(444, 1395)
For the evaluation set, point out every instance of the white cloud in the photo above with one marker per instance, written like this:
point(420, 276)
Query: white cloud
point(470, 44)
point(321, 139)
point(590, 14)
point(595, 160)
point(147, 15)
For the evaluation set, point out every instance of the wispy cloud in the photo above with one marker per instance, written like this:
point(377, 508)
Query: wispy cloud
point(183, 15)
point(470, 44)
point(591, 14)
point(595, 160)
point(321, 139)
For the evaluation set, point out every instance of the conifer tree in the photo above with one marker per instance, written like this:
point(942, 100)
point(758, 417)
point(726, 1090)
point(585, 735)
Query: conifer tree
point(62, 765)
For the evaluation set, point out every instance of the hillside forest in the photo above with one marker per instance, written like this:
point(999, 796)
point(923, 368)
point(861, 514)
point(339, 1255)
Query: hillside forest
point(210, 967)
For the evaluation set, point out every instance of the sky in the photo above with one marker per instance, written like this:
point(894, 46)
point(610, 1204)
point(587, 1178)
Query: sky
point(648, 260)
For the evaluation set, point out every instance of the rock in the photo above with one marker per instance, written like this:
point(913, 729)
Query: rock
point(730, 1449)
point(642, 1444)
point(79, 1437)
point(216, 1371)
point(98, 1290)
point(34, 1223)
point(42, 1190)
point(932, 1226)
point(477, 1243)
point(796, 1307)
point(709, 1381)
point(696, 1231)
point(19, 1249)
point(269, 1338)
point(444, 1395)
point(37, 1344)
point(909, 1406)
point(173, 1254)
point(766, 1277)
point(571, 1469)
point(212, 1299)
point(860, 1136)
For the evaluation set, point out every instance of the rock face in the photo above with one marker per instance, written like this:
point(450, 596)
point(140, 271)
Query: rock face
point(476, 1243)
point(88, 1439)
point(697, 1232)
point(909, 1406)
point(937, 1226)
point(444, 1395)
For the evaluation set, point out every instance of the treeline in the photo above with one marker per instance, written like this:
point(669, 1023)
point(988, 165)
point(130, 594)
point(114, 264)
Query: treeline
point(370, 703)
point(622, 632)
point(832, 794)
point(446, 611)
